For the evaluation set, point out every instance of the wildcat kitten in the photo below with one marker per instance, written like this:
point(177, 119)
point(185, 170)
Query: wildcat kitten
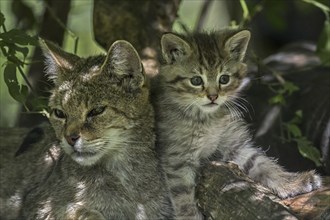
point(106, 167)
point(194, 99)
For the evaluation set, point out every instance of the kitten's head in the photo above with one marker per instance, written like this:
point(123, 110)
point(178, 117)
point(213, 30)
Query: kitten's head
point(203, 71)
point(97, 101)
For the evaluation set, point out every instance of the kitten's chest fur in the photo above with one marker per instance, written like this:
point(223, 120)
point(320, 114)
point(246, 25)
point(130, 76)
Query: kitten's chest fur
point(198, 140)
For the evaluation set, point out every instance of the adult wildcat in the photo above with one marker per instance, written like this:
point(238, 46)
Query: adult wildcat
point(105, 167)
point(194, 97)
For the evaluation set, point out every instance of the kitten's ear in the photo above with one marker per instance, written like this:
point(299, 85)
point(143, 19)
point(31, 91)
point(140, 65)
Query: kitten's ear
point(57, 60)
point(124, 62)
point(236, 45)
point(174, 48)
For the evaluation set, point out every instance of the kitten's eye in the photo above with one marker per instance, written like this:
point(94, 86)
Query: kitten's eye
point(224, 79)
point(196, 81)
point(96, 111)
point(59, 113)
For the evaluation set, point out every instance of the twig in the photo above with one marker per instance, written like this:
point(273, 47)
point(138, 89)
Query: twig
point(249, 15)
point(73, 35)
point(25, 78)
point(325, 9)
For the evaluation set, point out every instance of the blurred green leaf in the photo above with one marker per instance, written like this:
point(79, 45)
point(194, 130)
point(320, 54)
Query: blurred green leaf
point(2, 19)
point(277, 99)
point(289, 87)
point(294, 130)
point(307, 150)
point(323, 45)
point(299, 113)
point(17, 91)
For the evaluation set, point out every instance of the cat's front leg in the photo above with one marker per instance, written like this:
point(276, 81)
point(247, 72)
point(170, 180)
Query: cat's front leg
point(181, 182)
point(266, 171)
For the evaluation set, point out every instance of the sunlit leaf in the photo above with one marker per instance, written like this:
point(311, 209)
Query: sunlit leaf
point(307, 150)
point(17, 91)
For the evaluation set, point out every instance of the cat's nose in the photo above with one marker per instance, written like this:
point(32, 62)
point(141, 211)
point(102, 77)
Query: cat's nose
point(72, 139)
point(212, 97)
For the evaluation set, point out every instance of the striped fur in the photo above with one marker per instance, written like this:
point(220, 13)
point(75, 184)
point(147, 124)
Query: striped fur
point(197, 122)
point(103, 164)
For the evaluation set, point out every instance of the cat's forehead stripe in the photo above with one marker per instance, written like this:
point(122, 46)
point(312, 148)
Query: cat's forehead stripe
point(209, 55)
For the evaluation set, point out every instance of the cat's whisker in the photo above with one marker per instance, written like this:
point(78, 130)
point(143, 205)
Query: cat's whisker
point(233, 113)
point(234, 107)
point(188, 106)
point(243, 101)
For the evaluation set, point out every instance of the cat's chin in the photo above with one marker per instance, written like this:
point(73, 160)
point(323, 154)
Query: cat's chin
point(209, 108)
point(85, 159)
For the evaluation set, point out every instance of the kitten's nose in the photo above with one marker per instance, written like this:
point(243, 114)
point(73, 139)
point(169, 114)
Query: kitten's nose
point(72, 139)
point(212, 97)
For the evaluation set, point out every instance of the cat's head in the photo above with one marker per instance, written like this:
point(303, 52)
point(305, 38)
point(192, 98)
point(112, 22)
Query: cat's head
point(97, 101)
point(203, 71)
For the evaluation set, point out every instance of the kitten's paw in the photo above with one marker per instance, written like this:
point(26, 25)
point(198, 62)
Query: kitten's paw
point(298, 183)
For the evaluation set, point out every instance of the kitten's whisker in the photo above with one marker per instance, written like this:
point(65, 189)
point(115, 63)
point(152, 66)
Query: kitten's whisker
point(233, 112)
point(186, 109)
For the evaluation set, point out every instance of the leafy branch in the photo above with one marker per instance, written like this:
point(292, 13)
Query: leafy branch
point(14, 44)
point(305, 146)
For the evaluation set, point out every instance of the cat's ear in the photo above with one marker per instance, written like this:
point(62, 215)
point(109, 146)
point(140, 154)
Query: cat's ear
point(174, 48)
point(124, 62)
point(57, 60)
point(237, 44)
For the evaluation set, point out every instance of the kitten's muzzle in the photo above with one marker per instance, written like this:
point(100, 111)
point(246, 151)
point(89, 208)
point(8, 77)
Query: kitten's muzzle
point(72, 139)
point(212, 98)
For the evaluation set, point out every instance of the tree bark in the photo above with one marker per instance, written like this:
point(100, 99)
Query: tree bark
point(139, 22)
point(224, 192)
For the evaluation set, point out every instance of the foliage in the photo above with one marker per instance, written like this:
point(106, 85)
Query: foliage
point(323, 46)
point(13, 45)
point(281, 93)
point(285, 88)
point(305, 147)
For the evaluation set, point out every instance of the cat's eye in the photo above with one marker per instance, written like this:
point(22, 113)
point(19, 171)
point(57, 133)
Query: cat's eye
point(59, 113)
point(224, 79)
point(96, 111)
point(196, 81)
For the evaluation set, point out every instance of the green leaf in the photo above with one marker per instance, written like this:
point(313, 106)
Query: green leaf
point(299, 113)
point(278, 99)
point(294, 130)
point(23, 50)
point(290, 87)
point(17, 91)
point(2, 19)
point(307, 150)
point(323, 45)
point(18, 37)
